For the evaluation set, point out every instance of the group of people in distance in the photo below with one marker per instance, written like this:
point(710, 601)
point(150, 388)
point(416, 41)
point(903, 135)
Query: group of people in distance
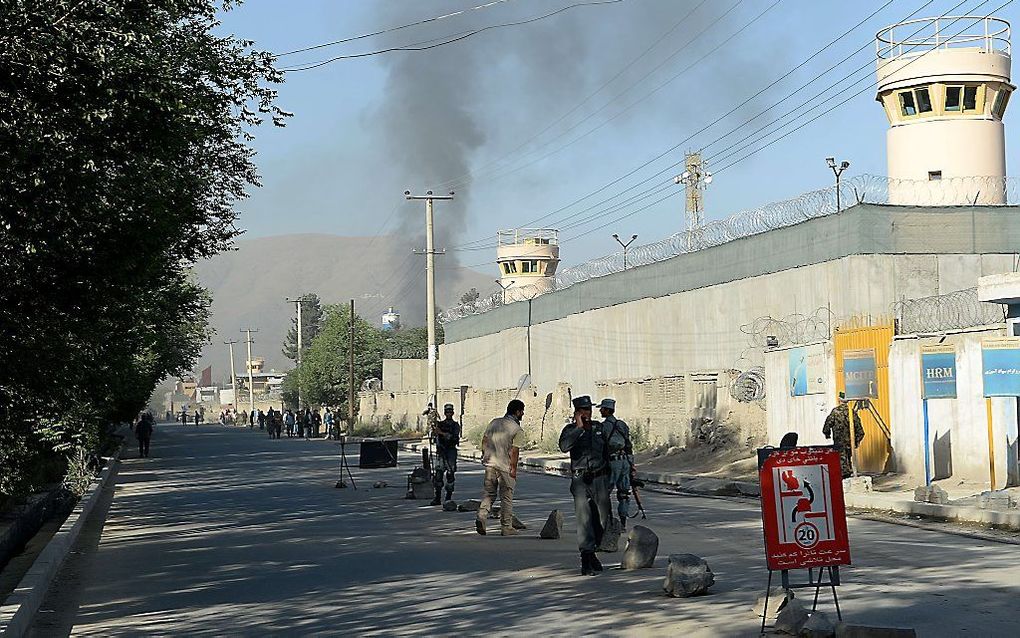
point(601, 460)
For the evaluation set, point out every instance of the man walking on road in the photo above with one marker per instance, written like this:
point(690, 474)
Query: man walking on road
point(500, 453)
point(588, 444)
point(621, 457)
point(447, 436)
point(143, 432)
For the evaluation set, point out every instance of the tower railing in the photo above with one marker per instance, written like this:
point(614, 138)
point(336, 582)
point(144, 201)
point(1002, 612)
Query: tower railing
point(516, 236)
point(990, 34)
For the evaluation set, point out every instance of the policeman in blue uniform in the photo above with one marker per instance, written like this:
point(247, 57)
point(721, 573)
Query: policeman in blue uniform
point(621, 457)
point(588, 444)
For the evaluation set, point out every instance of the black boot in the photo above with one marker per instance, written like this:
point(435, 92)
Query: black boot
point(449, 495)
point(436, 500)
point(586, 564)
point(596, 564)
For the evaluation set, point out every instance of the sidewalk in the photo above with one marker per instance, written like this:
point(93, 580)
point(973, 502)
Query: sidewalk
point(963, 506)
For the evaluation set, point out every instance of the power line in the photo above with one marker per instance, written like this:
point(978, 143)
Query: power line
point(451, 40)
point(392, 29)
point(721, 118)
point(483, 169)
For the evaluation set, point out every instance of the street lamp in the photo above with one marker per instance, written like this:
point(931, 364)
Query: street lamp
point(499, 282)
point(837, 171)
point(625, 247)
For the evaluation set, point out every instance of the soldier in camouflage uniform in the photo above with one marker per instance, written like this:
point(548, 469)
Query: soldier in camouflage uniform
point(446, 434)
point(837, 428)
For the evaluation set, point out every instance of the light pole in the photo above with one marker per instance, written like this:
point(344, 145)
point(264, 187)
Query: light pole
point(251, 375)
point(430, 289)
point(233, 372)
point(499, 282)
point(625, 247)
point(297, 301)
point(837, 171)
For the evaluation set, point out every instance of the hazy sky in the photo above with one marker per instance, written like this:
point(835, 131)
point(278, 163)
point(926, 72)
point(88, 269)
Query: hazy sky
point(367, 128)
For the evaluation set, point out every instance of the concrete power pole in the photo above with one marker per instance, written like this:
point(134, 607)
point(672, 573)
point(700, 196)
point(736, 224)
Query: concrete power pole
point(430, 288)
point(233, 371)
point(251, 377)
point(297, 301)
point(695, 179)
point(350, 371)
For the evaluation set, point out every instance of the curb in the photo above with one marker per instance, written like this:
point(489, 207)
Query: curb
point(18, 610)
point(708, 486)
point(960, 513)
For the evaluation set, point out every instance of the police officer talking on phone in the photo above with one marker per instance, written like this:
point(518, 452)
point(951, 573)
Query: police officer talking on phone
point(588, 445)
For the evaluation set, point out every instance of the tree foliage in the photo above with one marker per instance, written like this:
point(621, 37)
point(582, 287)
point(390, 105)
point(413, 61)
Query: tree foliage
point(124, 130)
point(311, 325)
point(324, 372)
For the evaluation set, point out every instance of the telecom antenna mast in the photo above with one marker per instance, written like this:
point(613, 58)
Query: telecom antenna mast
point(695, 180)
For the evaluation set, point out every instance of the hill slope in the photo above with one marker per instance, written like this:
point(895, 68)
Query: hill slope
point(249, 286)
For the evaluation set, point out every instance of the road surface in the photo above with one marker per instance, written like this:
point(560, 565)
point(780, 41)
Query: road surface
point(223, 531)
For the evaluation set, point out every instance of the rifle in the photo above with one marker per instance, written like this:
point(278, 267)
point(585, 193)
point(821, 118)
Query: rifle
point(635, 483)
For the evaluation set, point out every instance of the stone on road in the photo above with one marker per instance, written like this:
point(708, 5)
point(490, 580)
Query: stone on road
point(687, 575)
point(642, 546)
point(225, 532)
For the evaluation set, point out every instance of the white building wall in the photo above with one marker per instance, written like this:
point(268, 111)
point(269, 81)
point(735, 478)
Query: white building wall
point(958, 428)
point(804, 415)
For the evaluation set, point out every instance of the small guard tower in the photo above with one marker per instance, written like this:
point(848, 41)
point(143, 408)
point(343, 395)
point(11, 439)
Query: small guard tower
point(944, 84)
point(527, 257)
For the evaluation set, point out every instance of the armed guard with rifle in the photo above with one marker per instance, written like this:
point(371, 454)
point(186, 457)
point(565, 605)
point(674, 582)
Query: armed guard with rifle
point(446, 435)
point(621, 457)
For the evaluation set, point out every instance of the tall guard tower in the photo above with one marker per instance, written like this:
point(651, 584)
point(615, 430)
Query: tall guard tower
point(527, 257)
point(944, 84)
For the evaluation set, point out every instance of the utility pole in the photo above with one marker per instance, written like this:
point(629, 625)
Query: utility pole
point(350, 371)
point(251, 376)
point(695, 179)
point(297, 301)
point(430, 288)
point(233, 372)
point(625, 247)
point(837, 171)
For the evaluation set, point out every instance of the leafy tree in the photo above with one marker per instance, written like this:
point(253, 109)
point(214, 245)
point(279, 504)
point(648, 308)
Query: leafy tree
point(124, 130)
point(324, 370)
point(311, 325)
point(470, 296)
point(410, 343)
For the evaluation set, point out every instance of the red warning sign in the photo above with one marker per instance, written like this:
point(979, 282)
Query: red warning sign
point(802, 507)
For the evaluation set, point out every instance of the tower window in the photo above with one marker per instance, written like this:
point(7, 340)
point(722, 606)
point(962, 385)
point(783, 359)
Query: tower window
point(907, 105)
point(999, 110)
point(934, 176)
point(923, 101)
point(509, 267)
point(969, 98)
point(953, 97)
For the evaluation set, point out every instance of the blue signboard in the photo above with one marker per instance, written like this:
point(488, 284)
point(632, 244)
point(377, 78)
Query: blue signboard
point(798, 372)
point(859, 374)
point(938, 372)
point(1000, 368)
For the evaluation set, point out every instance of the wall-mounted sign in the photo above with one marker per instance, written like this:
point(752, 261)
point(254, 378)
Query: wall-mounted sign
point(807, 370)
point(1000, 369)
point(938, 372)
point(802, 509)
point(860, 378)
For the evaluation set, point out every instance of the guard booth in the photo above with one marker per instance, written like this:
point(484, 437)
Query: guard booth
point(861, 349)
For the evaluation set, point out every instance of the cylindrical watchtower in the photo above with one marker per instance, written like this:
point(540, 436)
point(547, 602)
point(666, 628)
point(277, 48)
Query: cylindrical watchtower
point(527, 260)
point(944, 84)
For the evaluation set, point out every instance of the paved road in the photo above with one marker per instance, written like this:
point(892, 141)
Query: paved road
point(225, 532)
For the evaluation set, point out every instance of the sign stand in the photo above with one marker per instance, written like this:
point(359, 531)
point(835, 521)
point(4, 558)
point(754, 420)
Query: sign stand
point(803, 518)
point(817, 585)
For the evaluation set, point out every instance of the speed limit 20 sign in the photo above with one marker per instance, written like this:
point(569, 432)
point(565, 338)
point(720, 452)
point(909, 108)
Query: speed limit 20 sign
point(802, 508)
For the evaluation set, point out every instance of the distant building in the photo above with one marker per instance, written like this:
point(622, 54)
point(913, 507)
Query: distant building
point(390, 319)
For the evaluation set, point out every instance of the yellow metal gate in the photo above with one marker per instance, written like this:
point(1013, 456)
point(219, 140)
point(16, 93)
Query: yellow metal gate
point(874, 450)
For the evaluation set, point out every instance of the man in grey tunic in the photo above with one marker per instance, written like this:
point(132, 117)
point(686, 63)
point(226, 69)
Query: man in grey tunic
point(588, 445)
